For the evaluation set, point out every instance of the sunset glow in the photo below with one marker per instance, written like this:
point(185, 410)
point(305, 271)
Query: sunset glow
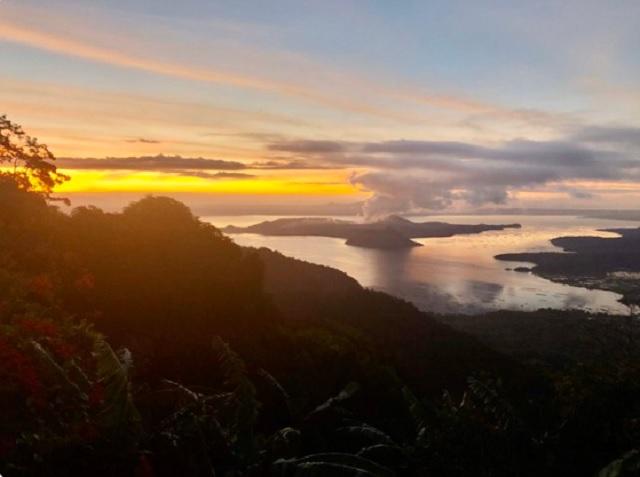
point(254, 86)
point(148, 182)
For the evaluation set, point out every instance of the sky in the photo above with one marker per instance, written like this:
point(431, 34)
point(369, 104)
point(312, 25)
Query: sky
point(402, 106)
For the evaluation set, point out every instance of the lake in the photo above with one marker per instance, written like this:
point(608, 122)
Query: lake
point(455, 274)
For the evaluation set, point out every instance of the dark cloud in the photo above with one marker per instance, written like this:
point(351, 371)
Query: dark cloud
point(581, 194)
point(150, 163)
point(432, 154)
point(559, 153)
point(162, 163)
point(404, 174)
point(213, 175)
point(290, 165)
point(308, 146)
point(143, 141)
point(609, 134)
point(574, 193)
point(485, 195)
point(429, 148)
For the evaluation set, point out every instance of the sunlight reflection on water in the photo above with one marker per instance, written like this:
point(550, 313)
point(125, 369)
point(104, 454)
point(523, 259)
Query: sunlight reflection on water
point(456, 274)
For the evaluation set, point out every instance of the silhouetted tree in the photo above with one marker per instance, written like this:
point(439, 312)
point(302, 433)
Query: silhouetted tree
point(28, 162)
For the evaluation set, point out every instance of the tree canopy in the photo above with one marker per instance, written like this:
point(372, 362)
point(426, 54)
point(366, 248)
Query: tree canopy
point(24, 159)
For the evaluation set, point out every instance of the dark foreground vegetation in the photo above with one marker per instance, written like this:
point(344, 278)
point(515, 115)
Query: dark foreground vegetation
point(147, 343)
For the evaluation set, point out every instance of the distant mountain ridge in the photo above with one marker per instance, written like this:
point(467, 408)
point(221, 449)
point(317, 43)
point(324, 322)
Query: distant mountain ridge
point(388, 233)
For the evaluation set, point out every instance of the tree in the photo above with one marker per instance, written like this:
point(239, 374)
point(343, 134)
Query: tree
point(29, 163)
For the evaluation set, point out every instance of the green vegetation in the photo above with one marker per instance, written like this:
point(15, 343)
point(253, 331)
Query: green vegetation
point(147, 343)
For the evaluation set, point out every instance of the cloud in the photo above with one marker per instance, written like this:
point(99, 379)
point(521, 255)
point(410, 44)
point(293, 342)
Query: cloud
point(83, 49)
point(57, 44)
point(609, 134)
point(308, 146)
point(194, 166)
point(214, 175)
point(581, 194)
point(285, 165)
point(143, 140)
point(150, 163)
point(412, 153)
point(485, 195)
point(398, 193)
point(558, 153)
point(348, 91)
point(404, 175)
point(173, 165)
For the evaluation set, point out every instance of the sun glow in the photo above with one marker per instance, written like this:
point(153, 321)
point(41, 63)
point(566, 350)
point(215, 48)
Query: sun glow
point(125, 181)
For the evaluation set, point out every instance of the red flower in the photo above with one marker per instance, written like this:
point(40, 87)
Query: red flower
point(20, 368)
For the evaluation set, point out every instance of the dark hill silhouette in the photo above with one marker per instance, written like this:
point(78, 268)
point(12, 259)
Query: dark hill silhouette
point(311, 295)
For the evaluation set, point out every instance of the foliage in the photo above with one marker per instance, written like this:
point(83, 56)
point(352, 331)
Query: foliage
point(55, 366)
point(26, 161)
point(627, 465)
point(112, 372)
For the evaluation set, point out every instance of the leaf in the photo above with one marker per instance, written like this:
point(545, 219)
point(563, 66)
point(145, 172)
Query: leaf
point(286, 442)
point(348, 392)
point(61, 375)
point(191, 395)
point(242, 400)
point(364, 434)
point(384, 454)
point(416, 410)
point(119, 413)
point(627, 465)
point(330, 464)
point(76, 373)
point(322, 469)
point(486, 397)
point(275, 384)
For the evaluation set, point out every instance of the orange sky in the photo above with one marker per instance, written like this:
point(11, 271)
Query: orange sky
point(96, 80)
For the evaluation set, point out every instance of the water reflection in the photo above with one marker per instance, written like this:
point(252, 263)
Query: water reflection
point(390, 269)
point(484, 292)
point(455, 274)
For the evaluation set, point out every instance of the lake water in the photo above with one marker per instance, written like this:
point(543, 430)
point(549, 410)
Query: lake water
point(456, 274)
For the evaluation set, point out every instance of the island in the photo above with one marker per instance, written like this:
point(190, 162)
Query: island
point(392, 232)
point(605, 263)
